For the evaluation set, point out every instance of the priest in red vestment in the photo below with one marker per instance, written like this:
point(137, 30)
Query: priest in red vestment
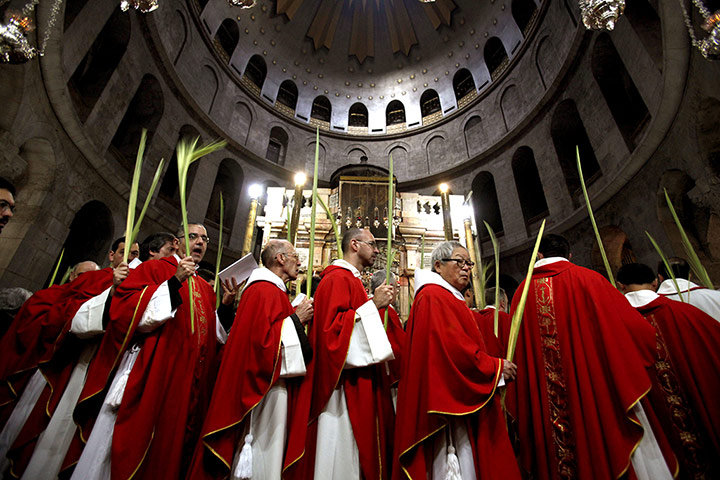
point(340, 426)
point(583, 351)
point(395, 330)
point(449, 415)
point(245, 430)
point(497, 344)
point(162, 399)
point(686, 384)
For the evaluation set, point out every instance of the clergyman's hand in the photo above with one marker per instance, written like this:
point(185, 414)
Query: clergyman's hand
point(305, 310)
point(185, 269)
point(383, 296)
point(120, 273)
point(230, 290)
point(509, 370)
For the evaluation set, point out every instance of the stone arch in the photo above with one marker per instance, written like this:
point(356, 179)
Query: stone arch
point(34, 182)
point(94, 71)
point(91, 233)
point(486, 205)
point(241, 122)
point(645, 21)
point(529, 186)
point(627, 107)
point(358, 115)
point(496, 57)
point(523, 12)
point(617, 247)
point(429, 103)
point(474, 134)
point(310, 158)
point(178, 34)
point(169, 186)
point(401, 160)
point(144, 111)
point(355, 154)
point(511, 106)
point(708, 132)
point(463, 83)
point(288, 94)
point(394, 113)
point(277, 145)
point(321, 109)
point(72, 10)
point(227, 38)
point(567, 132)
point(210, 86)
point(435, 151)
point(543, 58)
point(228, 180)
point(256, 71)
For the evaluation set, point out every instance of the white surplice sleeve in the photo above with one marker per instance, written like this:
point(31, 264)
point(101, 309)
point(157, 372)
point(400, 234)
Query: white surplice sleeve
point(293, 362)
point(369, 343)
point(158, 311)
point(220, 332)
point(88, 321)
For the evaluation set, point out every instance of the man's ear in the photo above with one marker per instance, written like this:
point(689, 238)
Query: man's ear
point(655, 284)
point(569, 256)
point(540, 256)
point(660, 278)
point(622, 287)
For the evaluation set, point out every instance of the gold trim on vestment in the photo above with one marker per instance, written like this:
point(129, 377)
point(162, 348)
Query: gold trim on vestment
point(152, 436)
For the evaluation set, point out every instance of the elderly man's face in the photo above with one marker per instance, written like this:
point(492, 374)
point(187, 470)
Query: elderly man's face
point(292, 262)
point(197, 236)
point(451, 270)
point(7, 207)
point(82, 267)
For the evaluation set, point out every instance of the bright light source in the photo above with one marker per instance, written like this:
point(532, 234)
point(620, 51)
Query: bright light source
point(255, 190)
point(300, 178)
point(443, 187)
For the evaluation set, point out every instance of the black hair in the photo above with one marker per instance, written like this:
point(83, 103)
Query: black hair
point(5, 184)
point(153, 243)
point(678, 265)
point(553, 245)
point(635, 274)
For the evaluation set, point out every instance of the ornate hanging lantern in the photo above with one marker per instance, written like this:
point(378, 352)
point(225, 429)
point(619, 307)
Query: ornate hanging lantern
point(242, 3)
point(710, 45)
point(14, 44)
point(601, 14)
point(143, 6)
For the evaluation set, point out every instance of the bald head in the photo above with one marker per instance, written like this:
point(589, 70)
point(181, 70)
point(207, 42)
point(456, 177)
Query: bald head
point(349, 236)
point(268, 257)
point(82, 267)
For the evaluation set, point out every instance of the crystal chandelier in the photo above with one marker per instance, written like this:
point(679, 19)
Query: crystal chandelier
point(710, 45)
point(144, 6)
point(601, 14)
point(242, 3)
point(14, 44)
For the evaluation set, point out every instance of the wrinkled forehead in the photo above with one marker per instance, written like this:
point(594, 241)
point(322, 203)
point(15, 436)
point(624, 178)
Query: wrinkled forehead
point(197, 229)
point(460, 252)
point(7, 196)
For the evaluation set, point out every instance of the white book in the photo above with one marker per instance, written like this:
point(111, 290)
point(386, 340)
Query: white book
point(240, 270)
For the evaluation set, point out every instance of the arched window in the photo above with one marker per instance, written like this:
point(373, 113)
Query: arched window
point(255, 72)
point(429, 103)
point(72, 10)
point(463, 84)
point(89, 238)
point(395, 113)
point(277, 146)
point(358, 116)
point(169, 186)
point(529, 186)
point(226, 39)
point(485, 204)
point(646, 23)
point(94, 71)
point(144, 111)
point(523, 12)
point(475, 136)
point(321, 111)
point(622, 97)
point(496, 58)
point(229, 181)
point(567, 132)
point(288, 95)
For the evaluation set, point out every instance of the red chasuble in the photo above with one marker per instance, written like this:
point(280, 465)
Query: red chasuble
point(55, 353)
point(447, 372)
point(162, 409)
point(396, 336)
point(582, 355)
point(686, 387)
point(337, 297)
point(497, 345)
point(250, 367)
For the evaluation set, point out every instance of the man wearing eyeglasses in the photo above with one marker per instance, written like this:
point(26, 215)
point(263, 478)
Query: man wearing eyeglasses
point(162, 398)
point(450, 422)
point(343, 425)
point(263, 363)
point(7, 202)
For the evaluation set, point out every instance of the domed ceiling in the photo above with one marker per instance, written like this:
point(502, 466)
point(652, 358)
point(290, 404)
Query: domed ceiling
point(373, 51)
